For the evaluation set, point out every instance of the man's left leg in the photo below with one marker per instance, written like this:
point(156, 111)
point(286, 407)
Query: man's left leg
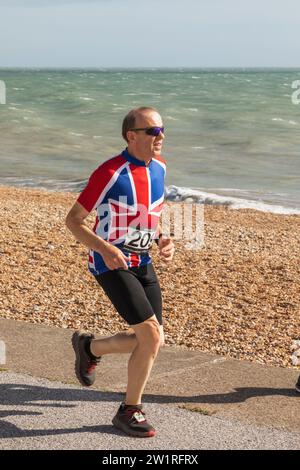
point(123, 342)
point(130, 417)
point(118, 285)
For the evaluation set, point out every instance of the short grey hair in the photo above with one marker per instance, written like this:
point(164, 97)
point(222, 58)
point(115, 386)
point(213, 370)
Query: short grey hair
point(130, 119)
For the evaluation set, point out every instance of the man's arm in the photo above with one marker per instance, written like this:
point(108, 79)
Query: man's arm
point(75, 221)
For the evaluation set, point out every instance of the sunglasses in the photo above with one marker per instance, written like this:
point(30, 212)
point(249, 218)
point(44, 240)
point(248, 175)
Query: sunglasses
point(154, 131)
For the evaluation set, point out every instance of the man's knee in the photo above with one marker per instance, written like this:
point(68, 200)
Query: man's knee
point(153, 334)
point(148, 334)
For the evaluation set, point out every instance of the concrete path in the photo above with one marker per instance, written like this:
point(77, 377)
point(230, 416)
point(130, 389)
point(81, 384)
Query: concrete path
point(195, 400)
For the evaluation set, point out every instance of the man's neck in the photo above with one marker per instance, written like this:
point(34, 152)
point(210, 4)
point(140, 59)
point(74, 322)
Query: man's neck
point(133, 154)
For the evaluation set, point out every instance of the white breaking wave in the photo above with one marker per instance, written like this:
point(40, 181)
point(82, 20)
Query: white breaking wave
point(294, 123)
point(174, 193)
point(85, 98)
point(76, 134)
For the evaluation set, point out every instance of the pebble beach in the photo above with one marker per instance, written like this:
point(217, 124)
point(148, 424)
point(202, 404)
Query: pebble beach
point(238, 296)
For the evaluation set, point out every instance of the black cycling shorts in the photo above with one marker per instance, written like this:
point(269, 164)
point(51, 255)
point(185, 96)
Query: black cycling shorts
point(135, 293)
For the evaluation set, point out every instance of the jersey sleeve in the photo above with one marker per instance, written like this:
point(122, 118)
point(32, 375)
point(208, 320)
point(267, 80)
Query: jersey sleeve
point(94, 192)
point(161, 159)
point(100, 182)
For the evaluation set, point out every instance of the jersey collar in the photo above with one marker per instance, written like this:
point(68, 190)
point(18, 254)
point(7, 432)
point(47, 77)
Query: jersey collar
point(132, 159)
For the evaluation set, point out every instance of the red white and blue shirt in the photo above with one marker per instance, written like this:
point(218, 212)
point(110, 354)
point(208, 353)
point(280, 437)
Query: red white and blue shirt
point(127, 195)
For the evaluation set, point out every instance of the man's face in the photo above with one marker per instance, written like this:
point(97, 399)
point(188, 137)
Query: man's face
point(146, 146)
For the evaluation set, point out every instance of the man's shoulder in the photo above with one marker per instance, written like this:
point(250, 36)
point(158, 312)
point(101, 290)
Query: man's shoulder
point(111, 164)
point(160, 160)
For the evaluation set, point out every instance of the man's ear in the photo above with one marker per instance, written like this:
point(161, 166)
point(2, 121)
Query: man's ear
point(131, 136)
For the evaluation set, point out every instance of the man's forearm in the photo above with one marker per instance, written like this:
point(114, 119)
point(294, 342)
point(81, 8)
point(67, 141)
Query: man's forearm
point(86, 236)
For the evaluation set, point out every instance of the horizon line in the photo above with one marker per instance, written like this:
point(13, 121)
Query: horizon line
point(103, 68)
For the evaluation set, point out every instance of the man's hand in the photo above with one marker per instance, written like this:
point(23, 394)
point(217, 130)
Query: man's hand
point(166, 248)
point(113, 257)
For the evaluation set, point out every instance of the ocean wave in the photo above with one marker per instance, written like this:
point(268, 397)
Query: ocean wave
point(44, 183)
point(294, 123)
point(180, 194)
point(172, 193)
point(76, 134)
point(142, 93)
point(85, 98)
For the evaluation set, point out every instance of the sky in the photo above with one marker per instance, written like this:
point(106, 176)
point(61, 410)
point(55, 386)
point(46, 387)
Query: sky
point(149, 33)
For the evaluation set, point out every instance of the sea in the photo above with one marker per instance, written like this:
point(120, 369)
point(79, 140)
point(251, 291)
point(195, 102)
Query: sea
point(232, 136)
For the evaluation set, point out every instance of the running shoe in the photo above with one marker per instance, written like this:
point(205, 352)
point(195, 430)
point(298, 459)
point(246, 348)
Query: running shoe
point(132, 420)
point(84, 363)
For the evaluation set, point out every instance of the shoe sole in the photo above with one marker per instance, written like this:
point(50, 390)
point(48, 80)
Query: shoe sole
point(298, 388)
point(75, 344)
point(123, 428)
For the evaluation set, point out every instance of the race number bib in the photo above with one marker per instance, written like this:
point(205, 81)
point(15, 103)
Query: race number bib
point(139, 240)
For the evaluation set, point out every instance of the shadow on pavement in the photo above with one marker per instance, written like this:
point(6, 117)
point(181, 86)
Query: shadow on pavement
point(28, 395)
point(21, 394)
point(9, 430)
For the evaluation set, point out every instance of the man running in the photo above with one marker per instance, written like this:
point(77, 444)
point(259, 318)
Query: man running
point(127, 192)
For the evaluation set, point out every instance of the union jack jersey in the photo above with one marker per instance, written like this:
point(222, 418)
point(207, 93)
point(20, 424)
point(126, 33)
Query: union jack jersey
point(128, 198)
